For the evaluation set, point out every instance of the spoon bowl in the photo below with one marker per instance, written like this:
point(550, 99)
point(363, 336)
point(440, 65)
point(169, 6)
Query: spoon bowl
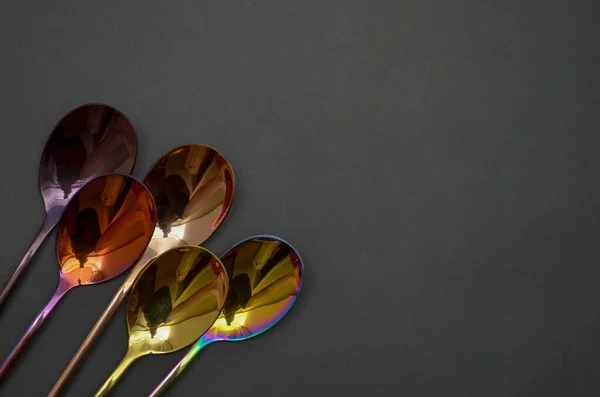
point(174, 300)
point(89, 141)
point(103, 231)
point(265, 279)
point(193, 186)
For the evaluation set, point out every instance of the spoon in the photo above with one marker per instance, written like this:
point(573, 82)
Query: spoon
point(265, 278)
point(89, 141)
point(104, 229)
point(174, 300)
point(193, 186)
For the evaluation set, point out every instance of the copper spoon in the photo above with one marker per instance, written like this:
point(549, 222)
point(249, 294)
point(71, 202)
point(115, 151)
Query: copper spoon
point(89, 141)
point(193, 186)
point(103, 231)
point(265, 278)
point(174, 300)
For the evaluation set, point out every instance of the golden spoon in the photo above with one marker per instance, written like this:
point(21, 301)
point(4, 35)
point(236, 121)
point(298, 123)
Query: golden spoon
point(174, 300)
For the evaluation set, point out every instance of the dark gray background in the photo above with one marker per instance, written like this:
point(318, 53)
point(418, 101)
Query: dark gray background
point(436, 163)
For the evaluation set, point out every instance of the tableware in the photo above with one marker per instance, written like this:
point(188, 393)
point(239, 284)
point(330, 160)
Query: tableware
point(193, 186)
point(102, 232)
point(89, 141)
point(174, 300)
point(265, 279)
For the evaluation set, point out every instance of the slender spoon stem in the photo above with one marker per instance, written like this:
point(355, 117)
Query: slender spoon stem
point(63, 286)
point(110, 310)
point(185, 361)
point(47, 226)
point(112, 380)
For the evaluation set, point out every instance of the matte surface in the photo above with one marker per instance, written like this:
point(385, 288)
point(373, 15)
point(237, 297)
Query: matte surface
point(435, 163)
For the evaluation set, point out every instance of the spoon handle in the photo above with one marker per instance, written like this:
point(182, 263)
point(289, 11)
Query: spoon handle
point(116, 374)
point(110, 310)
point(63, 287)
point(172, 376)
point(47, 226)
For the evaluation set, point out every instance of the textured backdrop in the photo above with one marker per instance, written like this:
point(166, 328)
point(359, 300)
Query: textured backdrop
point(435, 162)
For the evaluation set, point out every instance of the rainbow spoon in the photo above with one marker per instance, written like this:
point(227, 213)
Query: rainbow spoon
point(174, 300)
point(265, 278)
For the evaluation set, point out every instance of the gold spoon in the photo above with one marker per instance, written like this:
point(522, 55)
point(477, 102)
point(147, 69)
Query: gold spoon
point(174, 300)
point(103, 231)
point(193, 186)
point(265, 278)
point(89, 141)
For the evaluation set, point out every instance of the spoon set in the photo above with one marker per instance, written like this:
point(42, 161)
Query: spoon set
point(178, 293)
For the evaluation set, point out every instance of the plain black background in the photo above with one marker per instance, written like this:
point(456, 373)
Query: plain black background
point(436, 163)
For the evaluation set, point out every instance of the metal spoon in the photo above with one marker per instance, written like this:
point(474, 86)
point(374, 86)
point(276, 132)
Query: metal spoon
point(193, 186)
point(265, 278)
point(175, 299)
point(89, 141)
point(103, 231)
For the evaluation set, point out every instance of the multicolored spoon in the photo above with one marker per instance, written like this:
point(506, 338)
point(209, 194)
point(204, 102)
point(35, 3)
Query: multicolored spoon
point(265, 278)
point(174, 300)
point(89, 141)
point(193, 186)
point(103, 231)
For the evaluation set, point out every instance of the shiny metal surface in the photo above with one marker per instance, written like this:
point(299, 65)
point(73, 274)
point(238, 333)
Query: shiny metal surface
point(265, 279)
point(103, 231)
point(193, 186)
point(174, 300)
point(89, 141)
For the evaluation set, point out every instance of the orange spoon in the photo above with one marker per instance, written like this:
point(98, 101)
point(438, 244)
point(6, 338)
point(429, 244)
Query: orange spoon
point(103, 231)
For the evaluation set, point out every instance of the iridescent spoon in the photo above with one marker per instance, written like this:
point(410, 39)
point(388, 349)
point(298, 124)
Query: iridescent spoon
point(175, 299)
point(265, 278)
point(89, 141)
point(104, 229)
point(193, 186)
